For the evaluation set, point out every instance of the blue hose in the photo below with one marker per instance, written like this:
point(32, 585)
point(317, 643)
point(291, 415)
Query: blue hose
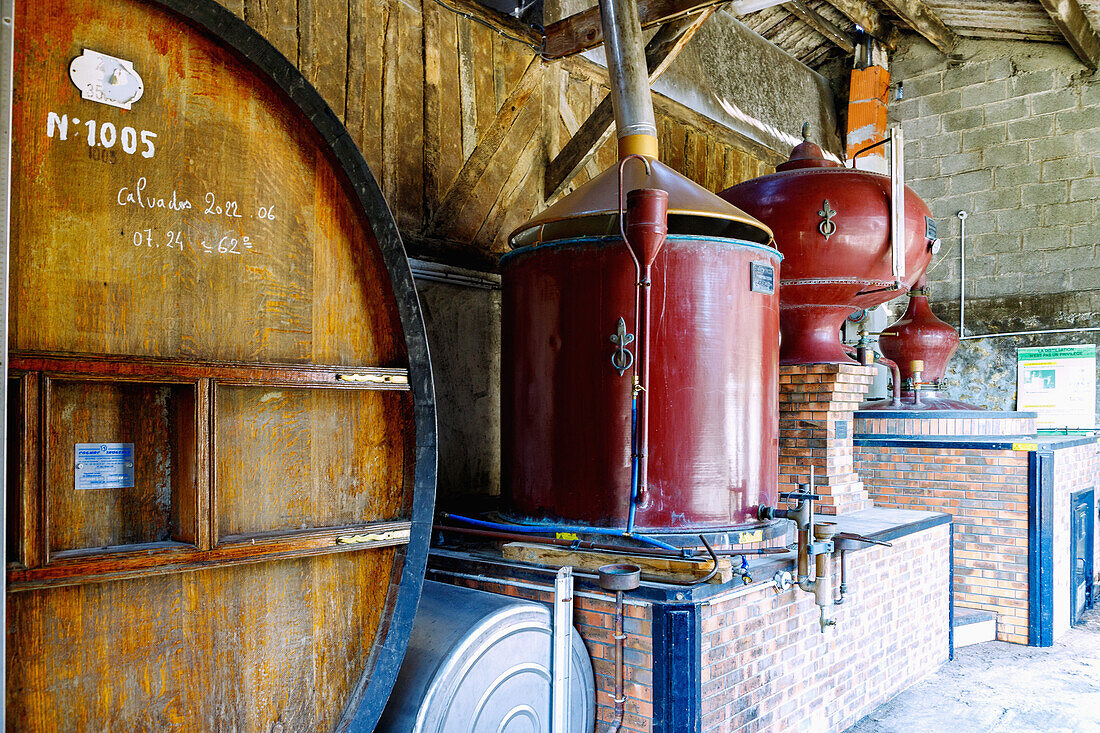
point(576, 529)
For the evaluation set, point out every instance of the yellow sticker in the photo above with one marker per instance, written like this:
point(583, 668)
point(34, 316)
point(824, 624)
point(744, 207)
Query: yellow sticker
point(1025, 446)
point(567, 536)
point(756, 535)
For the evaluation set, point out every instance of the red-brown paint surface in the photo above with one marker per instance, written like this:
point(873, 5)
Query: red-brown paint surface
point(920, 335)
point(713, 422)
point(825, 279)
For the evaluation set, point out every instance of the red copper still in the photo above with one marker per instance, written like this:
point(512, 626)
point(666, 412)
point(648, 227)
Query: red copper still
point(921, 336)
point(832, 225)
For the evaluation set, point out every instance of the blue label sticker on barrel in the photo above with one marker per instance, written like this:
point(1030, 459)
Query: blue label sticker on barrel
point(104, 465)
point(763, 278)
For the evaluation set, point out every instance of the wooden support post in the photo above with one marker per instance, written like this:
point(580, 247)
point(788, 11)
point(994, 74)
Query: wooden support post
point(869, 19)
point(582, 31)
point(1076, 28)
point(920, 18)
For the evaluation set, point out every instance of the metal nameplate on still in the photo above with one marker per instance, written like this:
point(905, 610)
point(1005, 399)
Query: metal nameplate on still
point(929, 228)
point(841, 429)
point(104, 465)
point(762, 278)
point(105, 79)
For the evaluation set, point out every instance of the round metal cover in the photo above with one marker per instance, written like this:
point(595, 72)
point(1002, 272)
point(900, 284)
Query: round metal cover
point(481, 662)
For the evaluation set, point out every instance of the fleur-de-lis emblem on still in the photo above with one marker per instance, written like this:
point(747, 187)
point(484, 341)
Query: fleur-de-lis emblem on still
point(827, 227)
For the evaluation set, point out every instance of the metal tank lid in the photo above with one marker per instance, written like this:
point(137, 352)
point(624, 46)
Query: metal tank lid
point(807, 155)
point(592, 210)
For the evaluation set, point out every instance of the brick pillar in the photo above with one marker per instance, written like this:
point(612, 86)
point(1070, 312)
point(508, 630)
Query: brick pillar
point(816, 402)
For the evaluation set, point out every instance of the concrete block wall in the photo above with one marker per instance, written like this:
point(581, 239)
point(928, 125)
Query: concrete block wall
point(987, 493)
point(766, 666)
point(1011, 135)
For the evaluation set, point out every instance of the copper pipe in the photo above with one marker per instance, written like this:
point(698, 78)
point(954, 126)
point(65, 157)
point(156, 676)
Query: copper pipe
point(894, 371)
point(620, 637)
point(896, 374)
point(629, 76)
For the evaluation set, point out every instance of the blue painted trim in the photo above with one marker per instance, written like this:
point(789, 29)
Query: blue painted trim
point(978, 442)
point(985, 442)
point(614, 240)
point(1040, 553)
point(935, 414)
point(1088, 498)
point(951, 595)
point(995, 442)
point(677, 655)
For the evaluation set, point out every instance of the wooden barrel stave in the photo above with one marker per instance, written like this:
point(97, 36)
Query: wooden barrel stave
point(225, 589)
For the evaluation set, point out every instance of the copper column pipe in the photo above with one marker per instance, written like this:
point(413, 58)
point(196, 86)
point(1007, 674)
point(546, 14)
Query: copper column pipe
point(626, 65)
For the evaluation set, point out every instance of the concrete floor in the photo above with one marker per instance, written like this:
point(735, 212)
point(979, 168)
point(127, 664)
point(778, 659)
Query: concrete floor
point(1003, 688)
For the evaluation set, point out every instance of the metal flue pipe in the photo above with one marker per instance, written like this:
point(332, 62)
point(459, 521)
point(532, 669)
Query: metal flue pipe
point(626, 65)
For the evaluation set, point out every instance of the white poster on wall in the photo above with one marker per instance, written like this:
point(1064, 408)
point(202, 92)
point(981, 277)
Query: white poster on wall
point(1059, 384)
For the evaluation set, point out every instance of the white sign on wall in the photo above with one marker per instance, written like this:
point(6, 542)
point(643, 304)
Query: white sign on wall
point(1059, 384)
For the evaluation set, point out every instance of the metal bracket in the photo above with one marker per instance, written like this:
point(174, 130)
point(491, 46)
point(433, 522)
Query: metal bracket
point(827, 227)
point(374, 378)
point(622, 358)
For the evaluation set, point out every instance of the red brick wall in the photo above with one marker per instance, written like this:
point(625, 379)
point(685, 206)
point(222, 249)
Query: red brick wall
point(814, 399)
point(765, 664)
point(768, 667)
point(986, 491)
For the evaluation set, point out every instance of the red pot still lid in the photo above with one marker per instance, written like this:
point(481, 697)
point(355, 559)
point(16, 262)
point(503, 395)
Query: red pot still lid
point(807, 155)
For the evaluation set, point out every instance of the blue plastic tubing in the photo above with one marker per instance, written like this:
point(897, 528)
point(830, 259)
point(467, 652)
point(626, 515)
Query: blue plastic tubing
point(576, 529)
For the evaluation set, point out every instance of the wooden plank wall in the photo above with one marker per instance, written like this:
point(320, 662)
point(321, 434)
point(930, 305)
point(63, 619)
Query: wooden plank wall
point(458, 122)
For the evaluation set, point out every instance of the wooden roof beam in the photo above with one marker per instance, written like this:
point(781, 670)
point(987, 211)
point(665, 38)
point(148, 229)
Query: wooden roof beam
point(869, 19)
point(1076, 28)
point(821, 24)
point(920, 18)
point(582, 31)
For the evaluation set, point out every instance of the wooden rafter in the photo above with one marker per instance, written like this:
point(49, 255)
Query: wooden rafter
point(582, 31)
point(869, 19)
point(659, 54)
point(1076, 28)
point(920, 18)
point(462, 189)
point(821, 24)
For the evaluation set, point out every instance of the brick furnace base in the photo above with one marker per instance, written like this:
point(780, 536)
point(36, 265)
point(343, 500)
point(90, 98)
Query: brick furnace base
point(746, 658)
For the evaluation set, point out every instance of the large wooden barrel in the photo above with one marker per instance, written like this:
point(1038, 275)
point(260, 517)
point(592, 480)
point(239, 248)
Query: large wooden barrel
point(222, 454)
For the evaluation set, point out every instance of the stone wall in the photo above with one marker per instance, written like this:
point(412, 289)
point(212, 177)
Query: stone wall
point(1011, 135)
